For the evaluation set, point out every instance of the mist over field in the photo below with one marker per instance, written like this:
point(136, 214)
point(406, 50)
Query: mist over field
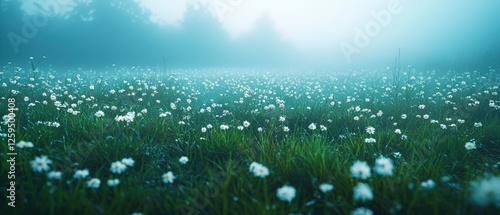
point(320, 34)
point(249, 107)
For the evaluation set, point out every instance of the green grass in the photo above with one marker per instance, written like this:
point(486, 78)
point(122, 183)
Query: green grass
point(216, 180)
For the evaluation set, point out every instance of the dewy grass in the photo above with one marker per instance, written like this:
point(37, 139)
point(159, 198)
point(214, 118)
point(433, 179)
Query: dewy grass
point(307, 130)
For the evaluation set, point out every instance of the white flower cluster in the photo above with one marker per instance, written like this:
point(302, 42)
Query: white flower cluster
point(129, 117)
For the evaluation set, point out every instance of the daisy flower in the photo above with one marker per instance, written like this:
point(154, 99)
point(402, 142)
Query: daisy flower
point(286, 193)
point(113, 182)
point(370, 140)
point(404, 137)
point(81, 173)
point(429, 184)
point(168, 177)
point(94, 183)
point(325, 187)
point(117, 167)
point(54, 175)
point(470, 145)
point(24, 144)
point(259, 170)
point(183, 160)
point(41, 163)
point(384, 166)
point(286, 129)
point(486, 191)
point(128, 161)
point(363, 192)
point(99, 113)
point(370, 130)
point(361, 170)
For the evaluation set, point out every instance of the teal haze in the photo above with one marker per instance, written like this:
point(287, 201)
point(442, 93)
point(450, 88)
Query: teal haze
point(98, 34)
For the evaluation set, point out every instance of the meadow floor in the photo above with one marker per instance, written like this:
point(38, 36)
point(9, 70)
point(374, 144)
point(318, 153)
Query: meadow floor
point(226, 141)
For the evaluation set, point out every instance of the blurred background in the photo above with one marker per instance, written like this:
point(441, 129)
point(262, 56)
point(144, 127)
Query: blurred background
point(313, 34)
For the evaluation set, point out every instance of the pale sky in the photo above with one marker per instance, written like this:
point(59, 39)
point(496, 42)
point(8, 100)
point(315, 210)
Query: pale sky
point(322, 31)
point(309, 24)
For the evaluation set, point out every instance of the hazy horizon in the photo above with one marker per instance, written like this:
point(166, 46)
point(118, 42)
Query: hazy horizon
point(251, 34)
